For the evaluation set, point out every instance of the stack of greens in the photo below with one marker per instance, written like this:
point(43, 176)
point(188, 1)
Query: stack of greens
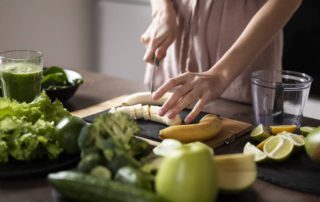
point(55, 77)
point(27, 129)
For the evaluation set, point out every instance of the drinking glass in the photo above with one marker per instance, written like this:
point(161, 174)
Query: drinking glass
point(279, 96)
point(21, 74)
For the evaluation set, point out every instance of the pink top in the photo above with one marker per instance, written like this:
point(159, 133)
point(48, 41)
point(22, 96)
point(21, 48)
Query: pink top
point(207, 29)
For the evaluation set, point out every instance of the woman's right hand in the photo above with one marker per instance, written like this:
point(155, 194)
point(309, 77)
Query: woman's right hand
point(160, 33)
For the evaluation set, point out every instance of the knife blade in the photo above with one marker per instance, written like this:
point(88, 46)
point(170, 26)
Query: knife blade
point(154, 70)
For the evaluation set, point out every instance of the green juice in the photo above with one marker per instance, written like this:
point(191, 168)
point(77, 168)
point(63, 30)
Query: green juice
point(21, 81)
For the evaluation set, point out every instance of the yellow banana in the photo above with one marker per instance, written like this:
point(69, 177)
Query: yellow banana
point(207, 128)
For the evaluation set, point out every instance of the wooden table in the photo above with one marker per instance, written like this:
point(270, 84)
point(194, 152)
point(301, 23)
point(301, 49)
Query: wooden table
point(98, 88)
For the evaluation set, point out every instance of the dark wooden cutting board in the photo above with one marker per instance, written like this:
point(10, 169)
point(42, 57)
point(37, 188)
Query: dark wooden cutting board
point(231, 129)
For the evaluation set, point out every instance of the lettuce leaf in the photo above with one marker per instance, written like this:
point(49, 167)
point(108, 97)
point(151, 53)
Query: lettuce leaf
point(27, 129)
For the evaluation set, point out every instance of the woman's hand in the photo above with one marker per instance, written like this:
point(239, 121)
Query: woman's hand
point(188, 88)
point(161, 32)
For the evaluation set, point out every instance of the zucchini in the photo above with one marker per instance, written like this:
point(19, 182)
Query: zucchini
point(83, 187)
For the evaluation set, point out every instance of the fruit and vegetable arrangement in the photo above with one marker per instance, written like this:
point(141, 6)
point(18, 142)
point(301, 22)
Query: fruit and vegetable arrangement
point(277, 143)
point(117, 166)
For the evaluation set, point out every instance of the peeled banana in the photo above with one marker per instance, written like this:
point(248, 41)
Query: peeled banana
point(147, 112)
point(144, 98)
point(209, 126)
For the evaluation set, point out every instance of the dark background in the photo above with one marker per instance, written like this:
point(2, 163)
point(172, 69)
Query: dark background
point(302, 42)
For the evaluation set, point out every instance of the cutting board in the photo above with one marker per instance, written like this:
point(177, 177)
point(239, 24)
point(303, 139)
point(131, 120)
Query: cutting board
point(231, 129)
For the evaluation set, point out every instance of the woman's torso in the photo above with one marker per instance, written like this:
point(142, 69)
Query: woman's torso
point(206, 30)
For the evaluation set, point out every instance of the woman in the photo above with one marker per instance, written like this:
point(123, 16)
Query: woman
point(208, 48)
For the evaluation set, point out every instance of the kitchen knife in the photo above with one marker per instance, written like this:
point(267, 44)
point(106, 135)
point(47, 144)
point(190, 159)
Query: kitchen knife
point(154, 71)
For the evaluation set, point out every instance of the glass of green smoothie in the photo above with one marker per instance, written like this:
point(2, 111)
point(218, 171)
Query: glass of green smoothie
point(21, 74)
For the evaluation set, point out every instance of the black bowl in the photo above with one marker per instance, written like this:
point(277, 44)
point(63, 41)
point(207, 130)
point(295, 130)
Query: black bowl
point(64, 93)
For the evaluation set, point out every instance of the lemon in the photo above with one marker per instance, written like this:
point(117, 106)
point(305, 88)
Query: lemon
point(259, 156)
point(278, 148)
point(236, 172)
point(305, 130)
point(280, 128)
point(260, 133)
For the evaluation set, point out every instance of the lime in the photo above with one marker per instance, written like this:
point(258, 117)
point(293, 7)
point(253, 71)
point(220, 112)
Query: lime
point(297, 140)
point(305, 130)
point(280, 128)
point(166, 147)
point(259, 156)
point(278, 148)
point(261, 144)
point(236, 172)
point(260, 133)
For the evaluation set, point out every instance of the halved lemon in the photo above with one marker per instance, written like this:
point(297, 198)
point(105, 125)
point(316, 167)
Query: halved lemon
point(260, 133)
point(280, 128)
point(278, 148)
point(259, 156)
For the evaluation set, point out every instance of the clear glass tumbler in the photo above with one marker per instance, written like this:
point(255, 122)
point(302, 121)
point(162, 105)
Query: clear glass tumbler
point(279, 96)
point(21, 74)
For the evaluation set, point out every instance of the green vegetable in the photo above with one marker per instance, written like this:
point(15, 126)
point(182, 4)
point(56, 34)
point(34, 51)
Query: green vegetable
point(82, 187)
point(27, 129)
point(89, 161)
point(55, 77)
point(67, 131)
point(85, 139)
point(188, 175)
point(101, 172)
point(112, 135)
point(134, 177)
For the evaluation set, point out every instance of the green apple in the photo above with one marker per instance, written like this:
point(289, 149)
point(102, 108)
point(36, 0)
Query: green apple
point(312, 144)
point(188, 175)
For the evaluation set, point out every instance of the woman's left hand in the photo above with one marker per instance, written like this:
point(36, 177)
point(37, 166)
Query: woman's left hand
point(188, 88)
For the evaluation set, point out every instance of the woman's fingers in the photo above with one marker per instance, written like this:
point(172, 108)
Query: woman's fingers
point(170, 84)
point(174, 98)
point(196, 110)
point(186, 100)
point(161, 51)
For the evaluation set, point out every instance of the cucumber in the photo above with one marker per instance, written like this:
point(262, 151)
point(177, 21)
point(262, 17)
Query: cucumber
point(82, 187)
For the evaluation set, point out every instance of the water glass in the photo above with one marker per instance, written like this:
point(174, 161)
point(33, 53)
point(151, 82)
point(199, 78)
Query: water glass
point(279, 96)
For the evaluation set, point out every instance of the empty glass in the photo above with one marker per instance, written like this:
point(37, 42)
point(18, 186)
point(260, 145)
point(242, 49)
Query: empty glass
point(279, 96)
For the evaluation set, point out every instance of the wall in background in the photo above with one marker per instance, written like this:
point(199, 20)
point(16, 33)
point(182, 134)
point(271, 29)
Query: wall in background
point(61, 29)
point(120, 25)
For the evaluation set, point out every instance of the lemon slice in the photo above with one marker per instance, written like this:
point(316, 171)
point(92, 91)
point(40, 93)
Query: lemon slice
point(166, 147)
point(280, 128)
point(260, 133)
point(236, 172)
point(305, 130)
point(278, 148)
point(259, 156)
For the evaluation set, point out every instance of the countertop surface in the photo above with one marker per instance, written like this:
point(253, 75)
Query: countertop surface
point(98, 88)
